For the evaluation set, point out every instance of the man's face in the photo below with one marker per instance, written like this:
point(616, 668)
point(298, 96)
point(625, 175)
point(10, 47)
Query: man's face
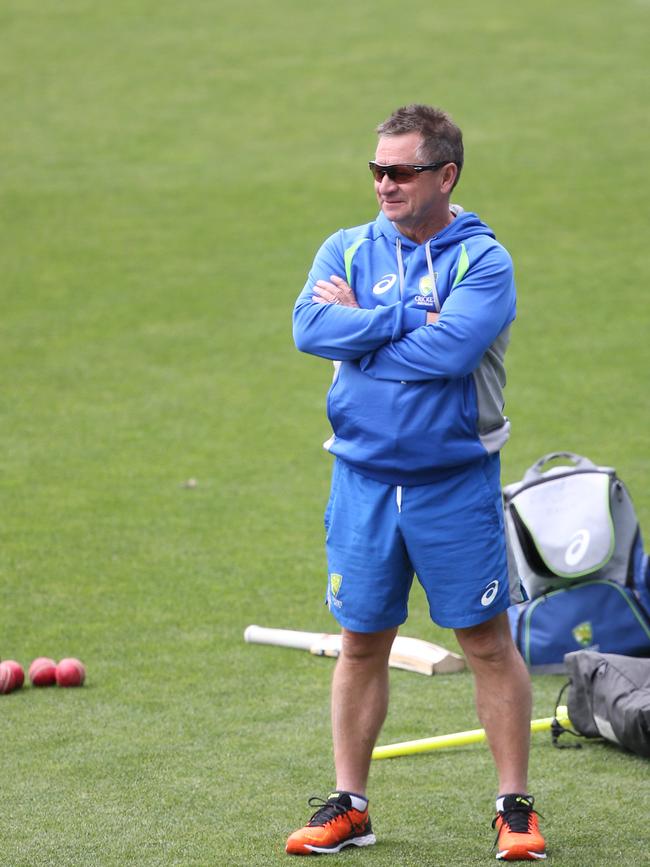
point(418, 202)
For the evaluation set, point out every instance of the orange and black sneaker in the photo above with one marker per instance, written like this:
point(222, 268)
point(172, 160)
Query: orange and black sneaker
point(518, 836)
point(336, 823)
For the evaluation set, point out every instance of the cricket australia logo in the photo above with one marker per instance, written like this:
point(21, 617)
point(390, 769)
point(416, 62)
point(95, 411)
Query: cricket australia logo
point(427, 283)
point(333, 590)
point(583, 633)
point(425, 299)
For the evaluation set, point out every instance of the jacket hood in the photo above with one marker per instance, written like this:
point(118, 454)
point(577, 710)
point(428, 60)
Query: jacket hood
point(465, 225)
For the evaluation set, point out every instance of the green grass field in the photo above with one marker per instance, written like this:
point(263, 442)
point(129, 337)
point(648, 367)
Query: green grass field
point(167, 171)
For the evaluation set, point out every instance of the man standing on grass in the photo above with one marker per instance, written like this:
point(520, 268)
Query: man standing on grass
point(415, 309)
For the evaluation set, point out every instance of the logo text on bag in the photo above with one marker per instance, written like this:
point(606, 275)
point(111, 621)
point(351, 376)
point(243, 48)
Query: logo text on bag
point(577, 547)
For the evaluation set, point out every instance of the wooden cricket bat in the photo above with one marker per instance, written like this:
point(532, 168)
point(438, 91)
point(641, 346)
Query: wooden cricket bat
point(409, 654)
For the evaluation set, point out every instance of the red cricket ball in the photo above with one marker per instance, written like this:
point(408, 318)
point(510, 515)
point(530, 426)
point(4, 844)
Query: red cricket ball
point(42, 671)
point(70, 672)
point(12, 676)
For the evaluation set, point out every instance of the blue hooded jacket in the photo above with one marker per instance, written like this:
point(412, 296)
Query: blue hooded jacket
point(409, 400)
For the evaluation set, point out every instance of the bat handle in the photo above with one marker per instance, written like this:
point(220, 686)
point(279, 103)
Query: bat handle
point(279, 637)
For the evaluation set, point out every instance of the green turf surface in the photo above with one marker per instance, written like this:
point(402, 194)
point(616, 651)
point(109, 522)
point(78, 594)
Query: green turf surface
point(167, 171)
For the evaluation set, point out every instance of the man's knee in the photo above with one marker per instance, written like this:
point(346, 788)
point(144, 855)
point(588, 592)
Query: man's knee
point(489, 642)
point(367, 647)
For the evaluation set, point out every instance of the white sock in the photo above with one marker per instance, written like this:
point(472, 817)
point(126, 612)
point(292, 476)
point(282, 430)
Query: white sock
point(502, 798)
point(358, 802)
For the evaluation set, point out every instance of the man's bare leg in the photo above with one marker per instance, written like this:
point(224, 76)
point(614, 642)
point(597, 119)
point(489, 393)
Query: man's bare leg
point(503, 698)
point(359, 704)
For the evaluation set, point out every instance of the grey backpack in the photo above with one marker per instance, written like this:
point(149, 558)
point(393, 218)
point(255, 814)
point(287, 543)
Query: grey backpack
point(569, 523)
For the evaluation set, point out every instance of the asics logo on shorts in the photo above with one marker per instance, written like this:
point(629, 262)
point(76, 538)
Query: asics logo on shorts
point(490, 593)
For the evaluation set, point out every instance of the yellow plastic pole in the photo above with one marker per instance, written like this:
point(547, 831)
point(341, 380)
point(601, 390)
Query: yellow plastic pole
point(458, 739)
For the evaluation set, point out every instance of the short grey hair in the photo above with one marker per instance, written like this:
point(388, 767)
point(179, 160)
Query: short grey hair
point(441, 138)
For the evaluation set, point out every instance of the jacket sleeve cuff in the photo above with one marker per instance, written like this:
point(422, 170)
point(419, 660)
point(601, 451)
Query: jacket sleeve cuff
point(413, 319)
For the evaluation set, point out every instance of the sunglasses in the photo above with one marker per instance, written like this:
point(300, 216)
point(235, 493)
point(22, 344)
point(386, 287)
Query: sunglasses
point(402, 173)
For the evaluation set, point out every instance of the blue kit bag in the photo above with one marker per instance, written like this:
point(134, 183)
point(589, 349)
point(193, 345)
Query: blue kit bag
point(599, 615)
point(575, 543)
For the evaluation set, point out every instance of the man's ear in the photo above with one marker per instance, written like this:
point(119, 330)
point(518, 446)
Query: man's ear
point(448, 177)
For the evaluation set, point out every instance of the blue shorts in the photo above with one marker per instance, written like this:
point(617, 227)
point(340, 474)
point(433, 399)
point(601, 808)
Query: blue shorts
point(450, 533)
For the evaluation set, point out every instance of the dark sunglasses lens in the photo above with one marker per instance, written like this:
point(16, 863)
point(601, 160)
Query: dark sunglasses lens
point(402, 174)
point(398, 174)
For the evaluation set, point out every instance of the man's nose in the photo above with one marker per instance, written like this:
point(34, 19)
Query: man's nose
point(386, 184)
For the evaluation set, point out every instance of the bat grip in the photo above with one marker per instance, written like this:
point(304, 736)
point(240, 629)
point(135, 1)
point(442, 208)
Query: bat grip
point(279, 637)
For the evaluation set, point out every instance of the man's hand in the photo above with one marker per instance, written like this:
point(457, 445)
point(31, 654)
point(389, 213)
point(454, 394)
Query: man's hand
point(432, 317)
point(334, 291)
